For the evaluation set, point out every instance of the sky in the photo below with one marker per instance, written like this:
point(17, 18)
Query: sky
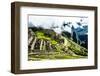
point(47, 21)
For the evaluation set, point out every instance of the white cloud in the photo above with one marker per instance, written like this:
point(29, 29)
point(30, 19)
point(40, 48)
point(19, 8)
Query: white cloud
point(47, 22)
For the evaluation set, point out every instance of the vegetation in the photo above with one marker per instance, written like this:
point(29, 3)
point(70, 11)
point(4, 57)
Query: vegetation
point(46, 44)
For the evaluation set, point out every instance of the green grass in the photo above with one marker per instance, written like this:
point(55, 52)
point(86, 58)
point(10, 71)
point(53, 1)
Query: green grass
point(53, 56)
point(80, 52)
point(41, 35)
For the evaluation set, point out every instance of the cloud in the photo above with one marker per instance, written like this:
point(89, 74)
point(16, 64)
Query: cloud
point(48, 21)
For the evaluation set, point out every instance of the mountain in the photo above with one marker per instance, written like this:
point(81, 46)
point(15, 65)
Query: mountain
point(47, 44)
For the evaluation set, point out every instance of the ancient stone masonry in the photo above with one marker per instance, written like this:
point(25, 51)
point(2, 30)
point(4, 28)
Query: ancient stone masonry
point(41, 43)
point(35, 44)
point(30, 36)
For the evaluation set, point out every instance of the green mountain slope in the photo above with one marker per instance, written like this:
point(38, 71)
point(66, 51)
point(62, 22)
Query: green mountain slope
point(46, 44)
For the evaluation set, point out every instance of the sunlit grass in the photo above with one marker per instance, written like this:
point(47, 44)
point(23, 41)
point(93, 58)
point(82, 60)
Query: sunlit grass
point(54, 56)
point(59, 53)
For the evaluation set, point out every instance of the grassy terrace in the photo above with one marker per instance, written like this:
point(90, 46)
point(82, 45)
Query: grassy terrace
point(41, 35)
point(54, 55)
point(72, 51)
